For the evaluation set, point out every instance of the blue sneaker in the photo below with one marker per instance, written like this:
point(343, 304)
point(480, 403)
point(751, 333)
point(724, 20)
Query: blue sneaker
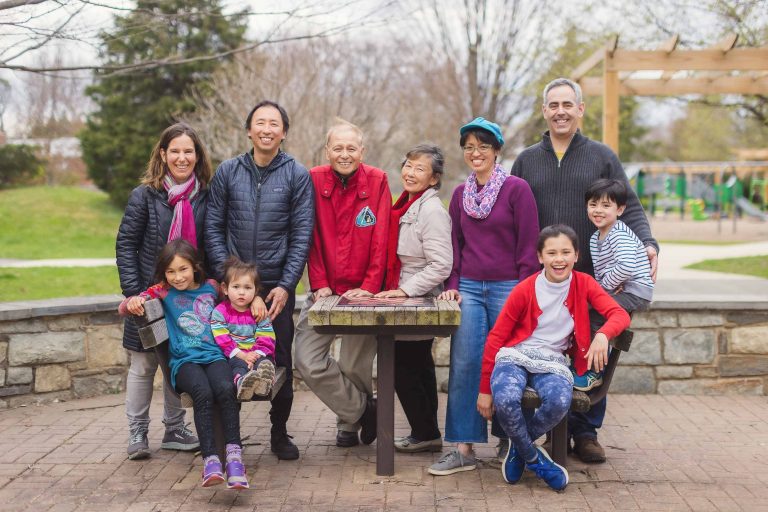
point(555, 475)
point(587, 381)
point(513, 466)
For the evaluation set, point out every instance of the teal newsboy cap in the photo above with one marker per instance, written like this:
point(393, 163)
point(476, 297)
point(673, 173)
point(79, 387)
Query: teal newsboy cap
point(483, 124)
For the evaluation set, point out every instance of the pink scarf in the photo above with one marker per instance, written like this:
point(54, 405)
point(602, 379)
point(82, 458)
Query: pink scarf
point(180, 197)
point(479, 204)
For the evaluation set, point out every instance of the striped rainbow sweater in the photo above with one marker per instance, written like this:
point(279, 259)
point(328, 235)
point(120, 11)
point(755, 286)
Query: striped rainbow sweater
point(235, 331)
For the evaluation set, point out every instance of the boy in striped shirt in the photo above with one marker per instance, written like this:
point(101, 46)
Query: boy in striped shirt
point(248, 344)
point(618, 256)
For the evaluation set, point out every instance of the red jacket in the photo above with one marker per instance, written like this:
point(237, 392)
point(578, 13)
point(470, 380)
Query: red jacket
point(349, 243)
point(521, 312)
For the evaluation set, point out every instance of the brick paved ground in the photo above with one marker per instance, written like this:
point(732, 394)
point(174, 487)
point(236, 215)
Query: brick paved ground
point(665, 453)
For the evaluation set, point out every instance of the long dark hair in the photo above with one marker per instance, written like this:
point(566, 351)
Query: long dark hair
point(182, 249)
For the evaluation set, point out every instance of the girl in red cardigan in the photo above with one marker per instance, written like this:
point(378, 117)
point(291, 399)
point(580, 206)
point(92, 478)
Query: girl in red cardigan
point(544, 317)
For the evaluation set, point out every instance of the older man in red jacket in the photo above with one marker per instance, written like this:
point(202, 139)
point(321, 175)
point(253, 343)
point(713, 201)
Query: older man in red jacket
point(347, 257)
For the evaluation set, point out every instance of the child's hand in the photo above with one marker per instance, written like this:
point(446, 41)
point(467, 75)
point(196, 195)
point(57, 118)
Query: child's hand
point(258, 309)
point(245, 356)
point(135, 305)
point(485, 405)
point(597, 355)
point(251, 357)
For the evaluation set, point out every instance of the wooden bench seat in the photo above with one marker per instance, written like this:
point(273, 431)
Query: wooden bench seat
point(153, 333)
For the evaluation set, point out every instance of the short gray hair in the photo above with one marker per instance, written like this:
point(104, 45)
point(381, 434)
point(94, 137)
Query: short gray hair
point(557, 82)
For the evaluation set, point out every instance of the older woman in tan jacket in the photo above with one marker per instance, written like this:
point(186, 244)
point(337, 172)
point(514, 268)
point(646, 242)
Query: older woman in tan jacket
point(419, 259)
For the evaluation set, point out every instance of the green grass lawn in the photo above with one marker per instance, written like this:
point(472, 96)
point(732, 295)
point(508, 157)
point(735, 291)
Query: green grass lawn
point(57, 222)
point(52, 282)
point(749, 265)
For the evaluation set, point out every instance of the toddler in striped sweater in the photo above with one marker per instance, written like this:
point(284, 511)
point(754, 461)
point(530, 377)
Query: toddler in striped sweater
point(248, 344)
point(619, 258)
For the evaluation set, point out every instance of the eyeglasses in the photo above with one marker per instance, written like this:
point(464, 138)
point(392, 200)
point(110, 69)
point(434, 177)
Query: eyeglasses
point(416, 170)
point(482, 148)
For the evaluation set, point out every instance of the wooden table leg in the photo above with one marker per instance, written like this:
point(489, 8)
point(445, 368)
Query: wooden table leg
point(385, 408)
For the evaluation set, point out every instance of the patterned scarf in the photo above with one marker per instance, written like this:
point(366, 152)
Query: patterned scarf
point(392, 279)
point(180, 197)
point(479, 204)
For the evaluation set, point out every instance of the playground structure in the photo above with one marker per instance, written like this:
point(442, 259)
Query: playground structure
point(720, 69)
point(667, 71)
point(705, 190)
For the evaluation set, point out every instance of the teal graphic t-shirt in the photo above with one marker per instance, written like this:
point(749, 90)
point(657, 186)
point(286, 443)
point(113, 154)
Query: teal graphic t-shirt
point(188, 317)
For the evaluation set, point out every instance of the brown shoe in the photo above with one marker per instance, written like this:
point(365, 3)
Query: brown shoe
point(588, 449)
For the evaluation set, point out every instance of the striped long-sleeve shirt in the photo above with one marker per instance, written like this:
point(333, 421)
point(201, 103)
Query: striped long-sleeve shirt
point(236, 330)
point(620, 259)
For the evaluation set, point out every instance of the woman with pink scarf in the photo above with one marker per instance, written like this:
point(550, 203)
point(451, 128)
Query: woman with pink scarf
point(169, 204)
point(494, 230)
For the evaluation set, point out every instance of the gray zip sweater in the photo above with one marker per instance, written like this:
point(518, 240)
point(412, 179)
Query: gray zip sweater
point(559, 188)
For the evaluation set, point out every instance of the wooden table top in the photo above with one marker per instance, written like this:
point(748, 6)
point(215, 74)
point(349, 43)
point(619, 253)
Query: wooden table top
point(419, 315)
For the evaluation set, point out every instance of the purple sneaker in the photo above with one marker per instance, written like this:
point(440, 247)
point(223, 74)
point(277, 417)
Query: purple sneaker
point(212, 473)
point(236, 478)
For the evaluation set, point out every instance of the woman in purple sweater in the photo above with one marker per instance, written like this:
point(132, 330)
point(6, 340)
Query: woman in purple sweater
point(494, 231)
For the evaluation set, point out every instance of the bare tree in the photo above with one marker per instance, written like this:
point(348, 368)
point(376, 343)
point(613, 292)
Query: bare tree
point(51, 105)
point(34, 24)
point(318, 81)
point(489, 50)
point(5, 96)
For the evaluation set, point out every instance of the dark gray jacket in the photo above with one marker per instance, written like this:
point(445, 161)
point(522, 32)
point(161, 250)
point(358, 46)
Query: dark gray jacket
point(265, 218)
point(559, 188)
point(142, 234)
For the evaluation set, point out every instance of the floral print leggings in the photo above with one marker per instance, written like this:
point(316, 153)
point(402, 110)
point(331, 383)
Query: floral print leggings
point(508, 381)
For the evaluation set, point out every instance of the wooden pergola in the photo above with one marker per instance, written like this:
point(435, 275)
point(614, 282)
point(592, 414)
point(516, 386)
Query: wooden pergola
point(720, 69)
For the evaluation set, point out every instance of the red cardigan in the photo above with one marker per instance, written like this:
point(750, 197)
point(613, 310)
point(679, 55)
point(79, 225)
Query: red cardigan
point(521, 312)
point(349, 243)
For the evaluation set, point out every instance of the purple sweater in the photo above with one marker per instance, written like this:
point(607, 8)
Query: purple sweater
point(501, 247)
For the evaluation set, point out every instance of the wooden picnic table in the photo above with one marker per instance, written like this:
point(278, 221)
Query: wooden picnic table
point(386, 319)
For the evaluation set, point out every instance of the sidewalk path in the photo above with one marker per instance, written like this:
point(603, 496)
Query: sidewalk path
point(674, 282)
point(664, 453)
point(72, 262)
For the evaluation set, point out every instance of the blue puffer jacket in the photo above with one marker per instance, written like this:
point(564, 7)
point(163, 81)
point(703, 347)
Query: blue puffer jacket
point(265, 218)
point(142, 234)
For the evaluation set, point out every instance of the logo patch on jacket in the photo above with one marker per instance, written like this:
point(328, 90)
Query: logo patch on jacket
point(365, 218)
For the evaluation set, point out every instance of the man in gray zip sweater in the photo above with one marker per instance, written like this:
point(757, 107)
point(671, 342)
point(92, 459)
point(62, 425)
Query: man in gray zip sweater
point(559, 169)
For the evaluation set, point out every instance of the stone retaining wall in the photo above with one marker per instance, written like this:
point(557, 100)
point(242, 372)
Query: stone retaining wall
point(71, 348)
point(60, 349)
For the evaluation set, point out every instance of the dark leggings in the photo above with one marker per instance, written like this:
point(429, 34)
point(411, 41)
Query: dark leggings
point(211, 385)
point(416, 387)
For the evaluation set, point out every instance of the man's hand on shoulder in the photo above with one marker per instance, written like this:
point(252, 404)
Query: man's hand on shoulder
point(653, 259)
point(277, 297)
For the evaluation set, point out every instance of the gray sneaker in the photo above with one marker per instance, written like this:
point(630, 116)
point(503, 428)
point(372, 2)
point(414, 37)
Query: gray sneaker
point(453, 462)
point(180, 438)
point(265, 373)
point(412, 445)
point(138, 446)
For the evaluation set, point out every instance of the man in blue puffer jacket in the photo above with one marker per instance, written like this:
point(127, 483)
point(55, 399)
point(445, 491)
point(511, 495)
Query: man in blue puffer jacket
point(261, 209)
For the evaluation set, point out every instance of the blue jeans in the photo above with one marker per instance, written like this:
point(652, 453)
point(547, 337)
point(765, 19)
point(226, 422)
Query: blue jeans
point(585, 424)
point(481, 303)
point(508, 382)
